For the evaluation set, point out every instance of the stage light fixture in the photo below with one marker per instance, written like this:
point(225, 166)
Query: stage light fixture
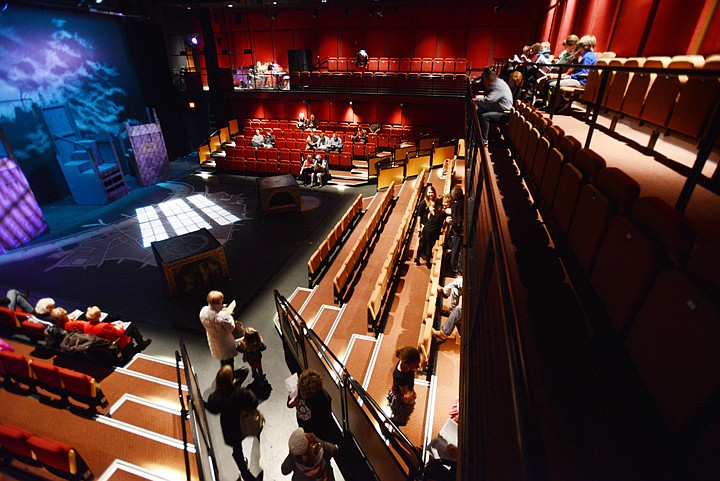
point(191, 105)
point(193, 39)
point(98, 1)
point(230, 5)
point(4, 7)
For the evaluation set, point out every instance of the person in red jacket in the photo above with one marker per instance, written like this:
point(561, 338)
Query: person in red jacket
point(124, 332)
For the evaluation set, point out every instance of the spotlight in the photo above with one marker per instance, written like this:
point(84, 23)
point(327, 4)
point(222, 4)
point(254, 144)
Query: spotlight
point(230, 5)
point(98, 1)
point(193, 40)
point(191, 105)
point(350, 102)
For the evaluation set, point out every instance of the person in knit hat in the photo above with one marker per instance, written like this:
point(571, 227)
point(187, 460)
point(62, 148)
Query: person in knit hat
point(309, 457)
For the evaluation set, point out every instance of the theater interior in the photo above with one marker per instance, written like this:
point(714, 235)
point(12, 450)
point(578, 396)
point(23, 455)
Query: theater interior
point(588, 343)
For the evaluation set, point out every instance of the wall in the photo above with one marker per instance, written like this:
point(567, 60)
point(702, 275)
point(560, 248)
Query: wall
point(637, 27)
point(454, 28)
point(52, 57)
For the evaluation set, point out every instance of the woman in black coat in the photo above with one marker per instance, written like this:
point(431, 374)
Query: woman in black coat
point(430, 232)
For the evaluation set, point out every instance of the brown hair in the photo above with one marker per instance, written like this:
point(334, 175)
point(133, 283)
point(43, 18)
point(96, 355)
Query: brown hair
point(215, 297)
point(309, 382)
point(224, 379)
point(571, 40)
point(516, 79)
point(408, 354)
point(251, 341)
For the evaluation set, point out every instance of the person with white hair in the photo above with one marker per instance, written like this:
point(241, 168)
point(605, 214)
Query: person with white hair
point(309, 457)
point(220, 327)
point(43, 308)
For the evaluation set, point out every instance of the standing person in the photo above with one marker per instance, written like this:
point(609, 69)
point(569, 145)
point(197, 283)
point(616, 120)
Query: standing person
point(430, 233)
point(495, 104)
point(401, 395)
point(220, 327)
point(422, 210)
point(455, 216)
point(230, 400)
point(309, 457)
point(251, 346)
point(313, 406)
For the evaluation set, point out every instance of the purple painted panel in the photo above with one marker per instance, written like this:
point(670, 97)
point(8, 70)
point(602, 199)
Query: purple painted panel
point(149, 153)
point(21, 219)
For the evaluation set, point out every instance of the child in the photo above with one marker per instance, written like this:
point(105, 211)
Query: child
point(252, 346)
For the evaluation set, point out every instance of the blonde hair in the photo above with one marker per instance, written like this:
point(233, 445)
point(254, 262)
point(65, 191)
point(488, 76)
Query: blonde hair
point(58, 315)
point(516, 78)
point(215, 297)
point(93, 314)
point(44, 305)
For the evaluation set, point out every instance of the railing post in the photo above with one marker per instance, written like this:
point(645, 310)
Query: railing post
point(596, 108)
point(706, 145)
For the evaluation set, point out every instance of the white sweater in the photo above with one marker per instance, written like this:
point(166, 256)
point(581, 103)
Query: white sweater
point(219, 326)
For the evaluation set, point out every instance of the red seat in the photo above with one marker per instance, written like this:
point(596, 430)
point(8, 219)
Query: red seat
point(405, 64)
point(553, 168)
point(16, 368)
point(424, 66)
point(358, 150)
point(332, 64)
point(394, 64)
point(342, 64)
point(383, 64)
point(569, 147)
point(383, 140)
point(334, 159)
point(461, 65)
point(83, 388)
point(8, 319)
point(372, 64)
point(59, 458)
point(346, 159)
point(449, 65)
point(438, 65)
point(47, 377)
point(13, 442)
point(280, 143)
point(295, 156)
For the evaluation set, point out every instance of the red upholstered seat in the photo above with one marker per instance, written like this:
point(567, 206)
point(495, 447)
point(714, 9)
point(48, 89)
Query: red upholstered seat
point(13, 441)
point(406, 64)
point(438, 65)
point(461, 65)
point(82, 387)
point(332, 64)
point(383, 64)
point(569, 147)
point(16, 367)
point(342, 64)
point(358, 150)
point(674, 345)
point(346, 159)
point(8, 319)
point(553, 168)
point(372, 64)
point(394, 64)
point(47, 376)
point(426, 65)
point(59, 458)
point(449, 65)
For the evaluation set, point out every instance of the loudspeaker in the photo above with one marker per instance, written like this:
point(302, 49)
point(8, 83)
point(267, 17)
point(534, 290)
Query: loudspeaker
point(299, 60)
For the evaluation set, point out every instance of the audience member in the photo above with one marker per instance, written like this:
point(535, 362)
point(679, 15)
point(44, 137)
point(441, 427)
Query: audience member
point(453, 291)
point(430, 232)
point(124, 332)
point(401, 395)
point(251, 346)
point(515, 83)
point(568, 57)
point(220, 328)
point(495, 104)
point(359, 135)
point(61, 319)
point(257, 139)
point(313, 406)
point(16, 300)
point(269, 140)
point(585, 55)
point(335, 143)
point(323, 142)
point(302, 122)
point(43, 307)
point(311, 141)
point(320, 171)
point(311, 123)
point(452, 322)
point(306, 170)
point(231, 400)
point(309, 457)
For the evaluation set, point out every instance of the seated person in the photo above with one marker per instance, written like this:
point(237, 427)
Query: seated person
point(311, 141)
point(269, 140)
point(16, 300)
point(312, 124)
point(125, 332)
point(43, 309)
point(360, 136)
point(375, 128)
point(302, 122)
point(495, 104)
point(450, 324)
point(452, 290)
point(306, 170)
point(334, 144)
point(319, 172)
point(361, 59)
point(62, 320)
point(257, 140)
point(323, 141)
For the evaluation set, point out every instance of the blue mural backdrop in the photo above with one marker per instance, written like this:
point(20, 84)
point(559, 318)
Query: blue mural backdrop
point(76, 59)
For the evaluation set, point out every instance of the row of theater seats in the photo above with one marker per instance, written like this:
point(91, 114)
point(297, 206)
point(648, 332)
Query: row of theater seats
point(296, 138)
point(394, 257)
point(352, 261)
point(280, 161)
point(436, 84)
point(334, 239)
point(406, 132)
point(681, 104)
point(58, 458)
point(18, 370)
point(637, 253)
point(405, 64)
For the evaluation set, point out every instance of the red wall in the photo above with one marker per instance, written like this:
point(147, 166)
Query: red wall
point(452, 29)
